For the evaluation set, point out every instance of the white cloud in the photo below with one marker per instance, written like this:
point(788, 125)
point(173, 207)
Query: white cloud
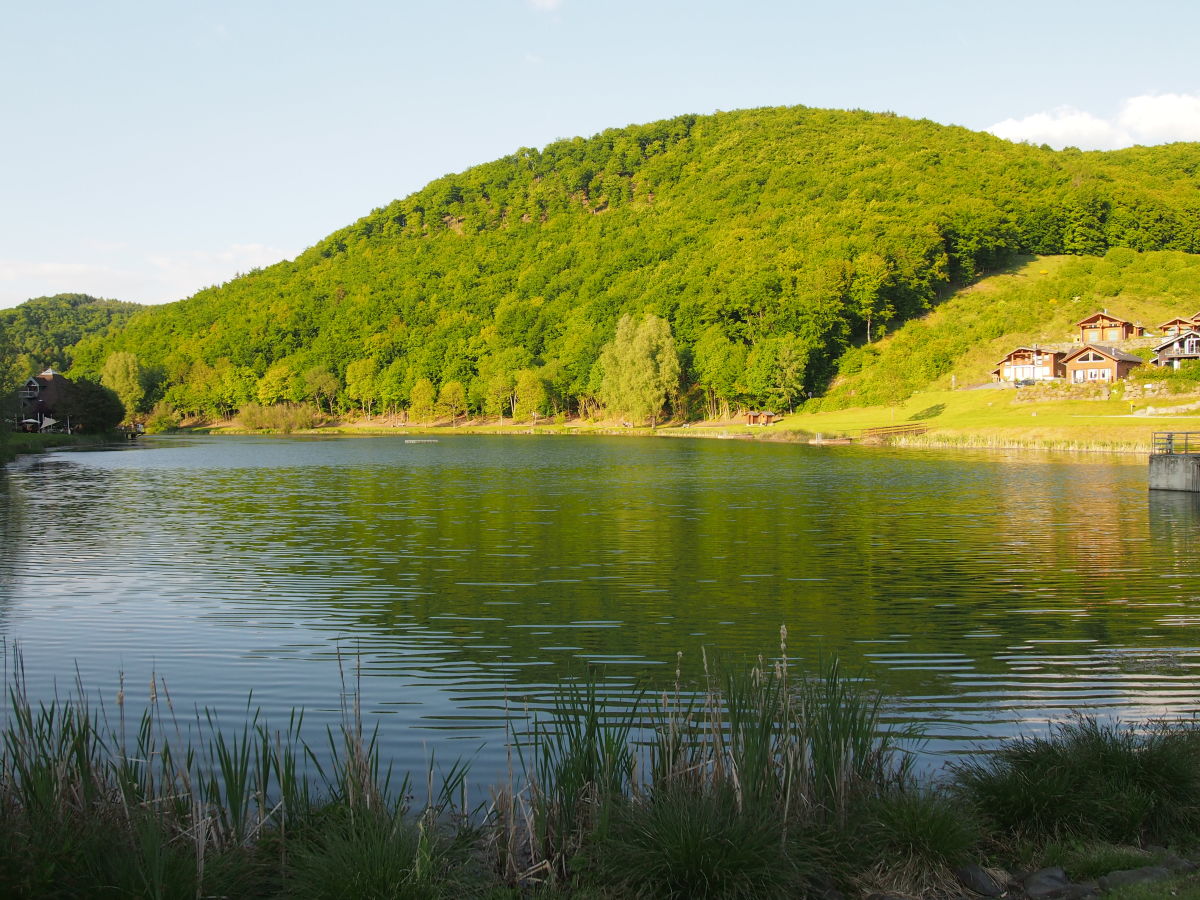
point(1145, 119)
point(1062, 127)
point(1159, 119)
point(546, 5)
point(143, 278)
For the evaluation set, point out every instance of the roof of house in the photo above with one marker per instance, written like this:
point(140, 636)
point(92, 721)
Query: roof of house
point(1033, 350)
point(1184, 319)
point(1176, 338)
point(1103, 315)
point(1111, 352)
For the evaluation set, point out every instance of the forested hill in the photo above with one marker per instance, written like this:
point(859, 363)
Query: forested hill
point(43, 331)
point(770, 240)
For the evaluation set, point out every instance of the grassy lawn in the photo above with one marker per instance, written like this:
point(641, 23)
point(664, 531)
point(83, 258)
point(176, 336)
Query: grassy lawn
point(987, 417)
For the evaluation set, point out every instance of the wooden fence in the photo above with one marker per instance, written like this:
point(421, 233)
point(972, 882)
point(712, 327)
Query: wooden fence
point(889, 431)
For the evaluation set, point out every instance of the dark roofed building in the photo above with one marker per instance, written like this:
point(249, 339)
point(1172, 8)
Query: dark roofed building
point(41, 397)
point(1182, 346)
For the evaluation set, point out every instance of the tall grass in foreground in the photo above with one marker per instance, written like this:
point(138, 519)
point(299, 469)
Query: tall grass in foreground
point(166, 808)
point(762, 781)
point(751, 786)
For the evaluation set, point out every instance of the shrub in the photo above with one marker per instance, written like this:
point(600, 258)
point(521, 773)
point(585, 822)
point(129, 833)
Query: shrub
point(1094, 781)
point(283, 418)
point(683, 842)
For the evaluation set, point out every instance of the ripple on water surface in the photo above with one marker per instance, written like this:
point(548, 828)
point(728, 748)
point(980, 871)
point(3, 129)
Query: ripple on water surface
point(463, 579)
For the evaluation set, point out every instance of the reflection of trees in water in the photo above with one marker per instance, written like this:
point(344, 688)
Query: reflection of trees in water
point(468, 578)
point(518, 577)
point(12, 541)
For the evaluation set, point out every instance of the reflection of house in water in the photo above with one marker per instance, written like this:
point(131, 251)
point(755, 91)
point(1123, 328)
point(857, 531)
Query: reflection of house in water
point(41, 398)
point(1080, 526)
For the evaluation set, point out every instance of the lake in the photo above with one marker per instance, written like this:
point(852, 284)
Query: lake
point(985, 593)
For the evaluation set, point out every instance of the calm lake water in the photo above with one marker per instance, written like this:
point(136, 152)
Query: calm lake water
point(985, 593)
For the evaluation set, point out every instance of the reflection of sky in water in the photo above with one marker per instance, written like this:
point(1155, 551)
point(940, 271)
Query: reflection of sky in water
point(982, 591)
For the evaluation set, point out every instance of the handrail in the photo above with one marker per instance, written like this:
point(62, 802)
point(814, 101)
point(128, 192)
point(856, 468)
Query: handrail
point(1175, 443)
point(889, 430)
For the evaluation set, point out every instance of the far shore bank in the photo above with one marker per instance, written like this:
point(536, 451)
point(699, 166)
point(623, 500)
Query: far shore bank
point(789, 430)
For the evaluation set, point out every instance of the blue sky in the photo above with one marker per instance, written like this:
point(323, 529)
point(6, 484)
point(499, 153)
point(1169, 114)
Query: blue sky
point(153, 148)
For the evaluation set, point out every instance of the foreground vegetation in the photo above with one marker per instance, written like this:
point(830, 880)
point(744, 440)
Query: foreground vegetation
point(759, 783)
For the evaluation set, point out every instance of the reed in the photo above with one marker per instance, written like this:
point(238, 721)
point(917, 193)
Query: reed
point(755, 781)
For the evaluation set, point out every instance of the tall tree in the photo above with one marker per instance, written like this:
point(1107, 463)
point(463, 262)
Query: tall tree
point(421, 401)
point(320, 384)
point(532, 395)
point(452, 400)
point(122, 374)
point(872, 275)
point(361, 384)
point(640, 369)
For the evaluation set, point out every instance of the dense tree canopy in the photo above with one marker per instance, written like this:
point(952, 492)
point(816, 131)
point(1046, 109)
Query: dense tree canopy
point(769, 241)
point(44, 331)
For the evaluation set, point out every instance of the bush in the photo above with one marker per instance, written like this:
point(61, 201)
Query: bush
point(1092, 781)
point(685, 842)
point(162, 419)
point(283, 418)
point(372, 853)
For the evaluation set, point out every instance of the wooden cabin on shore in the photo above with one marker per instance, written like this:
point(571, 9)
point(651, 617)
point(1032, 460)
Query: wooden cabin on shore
point(1098, 363)
point(1177, 325)
point(1103, 327)
point(760, 417)
point(1178, 348)
point(1030, 364)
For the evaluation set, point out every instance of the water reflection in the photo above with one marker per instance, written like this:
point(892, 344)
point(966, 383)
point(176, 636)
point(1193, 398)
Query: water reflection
point(982, 591)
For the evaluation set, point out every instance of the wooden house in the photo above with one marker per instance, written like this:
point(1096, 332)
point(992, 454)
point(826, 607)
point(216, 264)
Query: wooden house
point(1094, 362)
point(760, 417)
point(1177, 348)
point(1177, 325)
point(1030, 364)
point(1103, 327)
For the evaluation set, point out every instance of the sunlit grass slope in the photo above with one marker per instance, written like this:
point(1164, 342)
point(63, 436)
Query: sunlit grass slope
point(1039, 300)
point(997, 418)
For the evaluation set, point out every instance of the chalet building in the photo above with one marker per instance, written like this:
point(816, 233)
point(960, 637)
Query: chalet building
point(1177, 325)
point(1030, 364)
point(1103, 327)
point(760, 417)
point(1093, 362)
point(39, 398)
point(1177, 348)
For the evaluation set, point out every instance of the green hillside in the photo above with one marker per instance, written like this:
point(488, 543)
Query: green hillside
point(770, 240)
point(44, 331)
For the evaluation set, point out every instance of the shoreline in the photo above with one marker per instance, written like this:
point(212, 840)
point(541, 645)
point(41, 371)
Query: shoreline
point(948, 440)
